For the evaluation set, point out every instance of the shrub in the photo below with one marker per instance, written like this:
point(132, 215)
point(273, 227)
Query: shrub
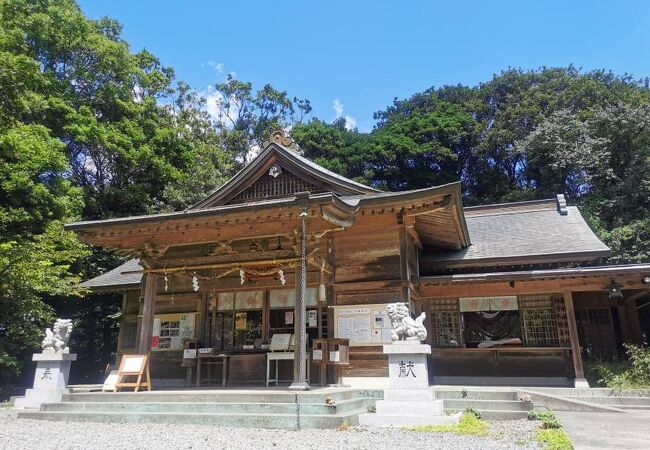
point(548, 419)
point(632, 373)
point(473, 412)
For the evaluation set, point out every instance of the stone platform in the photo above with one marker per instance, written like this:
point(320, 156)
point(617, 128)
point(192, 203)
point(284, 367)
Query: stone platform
point(409, 400)
point(248, 408)
point(50, 380)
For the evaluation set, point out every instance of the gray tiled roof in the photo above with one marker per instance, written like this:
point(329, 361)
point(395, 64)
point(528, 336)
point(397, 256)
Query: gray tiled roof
point(117, 278)
point(525, 234)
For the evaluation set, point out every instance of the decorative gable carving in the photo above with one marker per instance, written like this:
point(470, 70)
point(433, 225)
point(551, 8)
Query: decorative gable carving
point(279, 170)
point(276, 183)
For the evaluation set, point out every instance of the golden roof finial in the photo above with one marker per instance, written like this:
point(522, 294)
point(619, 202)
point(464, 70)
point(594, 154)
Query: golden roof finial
point(284, 139)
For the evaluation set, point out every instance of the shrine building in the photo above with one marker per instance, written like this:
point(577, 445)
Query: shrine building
point(513, 293)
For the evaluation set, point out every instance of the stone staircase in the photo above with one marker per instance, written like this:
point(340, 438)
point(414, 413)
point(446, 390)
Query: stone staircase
point(236, 408)
point(491, 404)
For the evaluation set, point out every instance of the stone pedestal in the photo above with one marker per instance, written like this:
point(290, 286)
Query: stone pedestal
point(409, 400)
point(50, 380)
point(581, 383)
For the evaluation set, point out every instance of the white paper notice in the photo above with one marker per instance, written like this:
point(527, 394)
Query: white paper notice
point(187, 326)
point(312, 318)
point(156, 327)
point(356, 328)
point(317, 355)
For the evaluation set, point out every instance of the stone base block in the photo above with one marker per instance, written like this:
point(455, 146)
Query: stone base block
point(385, 420)
point(408, 370)
point(410, 408)
point(34, 398)
point(581, 383)
point(408, 395)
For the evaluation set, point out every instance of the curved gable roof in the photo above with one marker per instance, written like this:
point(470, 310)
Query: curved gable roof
point(292, 161)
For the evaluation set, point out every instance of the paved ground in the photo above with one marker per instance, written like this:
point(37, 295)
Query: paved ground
point(44, 435)
point(596, 430)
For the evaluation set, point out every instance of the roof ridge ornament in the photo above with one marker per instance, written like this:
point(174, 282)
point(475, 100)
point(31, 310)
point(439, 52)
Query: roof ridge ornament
point(284, 139)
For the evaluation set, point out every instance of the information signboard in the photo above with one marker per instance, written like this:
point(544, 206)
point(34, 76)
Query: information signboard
point(362, 324)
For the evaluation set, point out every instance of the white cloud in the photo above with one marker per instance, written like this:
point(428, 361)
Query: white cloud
point(212, 101)
point(338, 108)
point(350, 122)
point(217, 68)
point(214, 105)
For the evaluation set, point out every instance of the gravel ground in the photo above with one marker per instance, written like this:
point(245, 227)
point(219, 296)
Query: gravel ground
point(43, 435)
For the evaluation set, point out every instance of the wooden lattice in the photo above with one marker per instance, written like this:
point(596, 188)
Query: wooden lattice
point(539, 318)
point(445, 321)
point(269, 187)
point(562, 323)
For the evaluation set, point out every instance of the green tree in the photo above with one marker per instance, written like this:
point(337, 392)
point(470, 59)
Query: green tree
point(35, 252)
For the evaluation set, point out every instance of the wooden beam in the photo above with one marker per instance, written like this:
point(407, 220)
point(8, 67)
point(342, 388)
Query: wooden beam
point(573, 336)
point(519, 287)
point(203, 232)
point(146, 323)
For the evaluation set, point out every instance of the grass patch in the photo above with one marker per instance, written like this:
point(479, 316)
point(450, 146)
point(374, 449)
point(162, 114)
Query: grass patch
point(553, 439)
point(547, 417)
point(469, 425)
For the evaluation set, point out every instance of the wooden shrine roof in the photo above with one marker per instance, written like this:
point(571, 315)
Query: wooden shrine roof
point(521, 233)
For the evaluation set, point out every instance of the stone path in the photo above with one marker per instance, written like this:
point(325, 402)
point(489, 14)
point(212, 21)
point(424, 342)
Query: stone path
point(596, 430)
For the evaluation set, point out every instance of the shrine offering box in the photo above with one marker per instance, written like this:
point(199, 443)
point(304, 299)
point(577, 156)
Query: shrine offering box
point(320, 352)
point(339, 351)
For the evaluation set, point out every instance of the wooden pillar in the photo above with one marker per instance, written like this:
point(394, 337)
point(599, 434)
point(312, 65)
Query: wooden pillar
point(633, 325)
point(575, 341)
point(148, 309)
point(623, 322)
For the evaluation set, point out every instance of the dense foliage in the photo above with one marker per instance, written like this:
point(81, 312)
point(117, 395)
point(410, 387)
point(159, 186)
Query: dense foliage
point(632, 372)
point(90, 129)
point(522, 135)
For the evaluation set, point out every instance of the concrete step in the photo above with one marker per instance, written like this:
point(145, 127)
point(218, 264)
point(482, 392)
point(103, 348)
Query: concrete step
point(475, 395)
point(280, 421)
point(211, 407)
point(492, 415)
point(487, 405)
point(217, 396)
point(635, 407)
point(613, 400)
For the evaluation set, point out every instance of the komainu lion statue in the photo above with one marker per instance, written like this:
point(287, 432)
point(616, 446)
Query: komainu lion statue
point(406, 328)
point(57, 341)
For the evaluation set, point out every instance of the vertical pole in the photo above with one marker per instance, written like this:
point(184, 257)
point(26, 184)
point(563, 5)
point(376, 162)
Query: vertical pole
point(580, 380)
point(146, 322)
point(300, 381)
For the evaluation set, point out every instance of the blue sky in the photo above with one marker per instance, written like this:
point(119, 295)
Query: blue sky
point(352, 58)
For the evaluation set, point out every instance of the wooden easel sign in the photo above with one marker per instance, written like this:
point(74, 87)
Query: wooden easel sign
point(133, 366)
